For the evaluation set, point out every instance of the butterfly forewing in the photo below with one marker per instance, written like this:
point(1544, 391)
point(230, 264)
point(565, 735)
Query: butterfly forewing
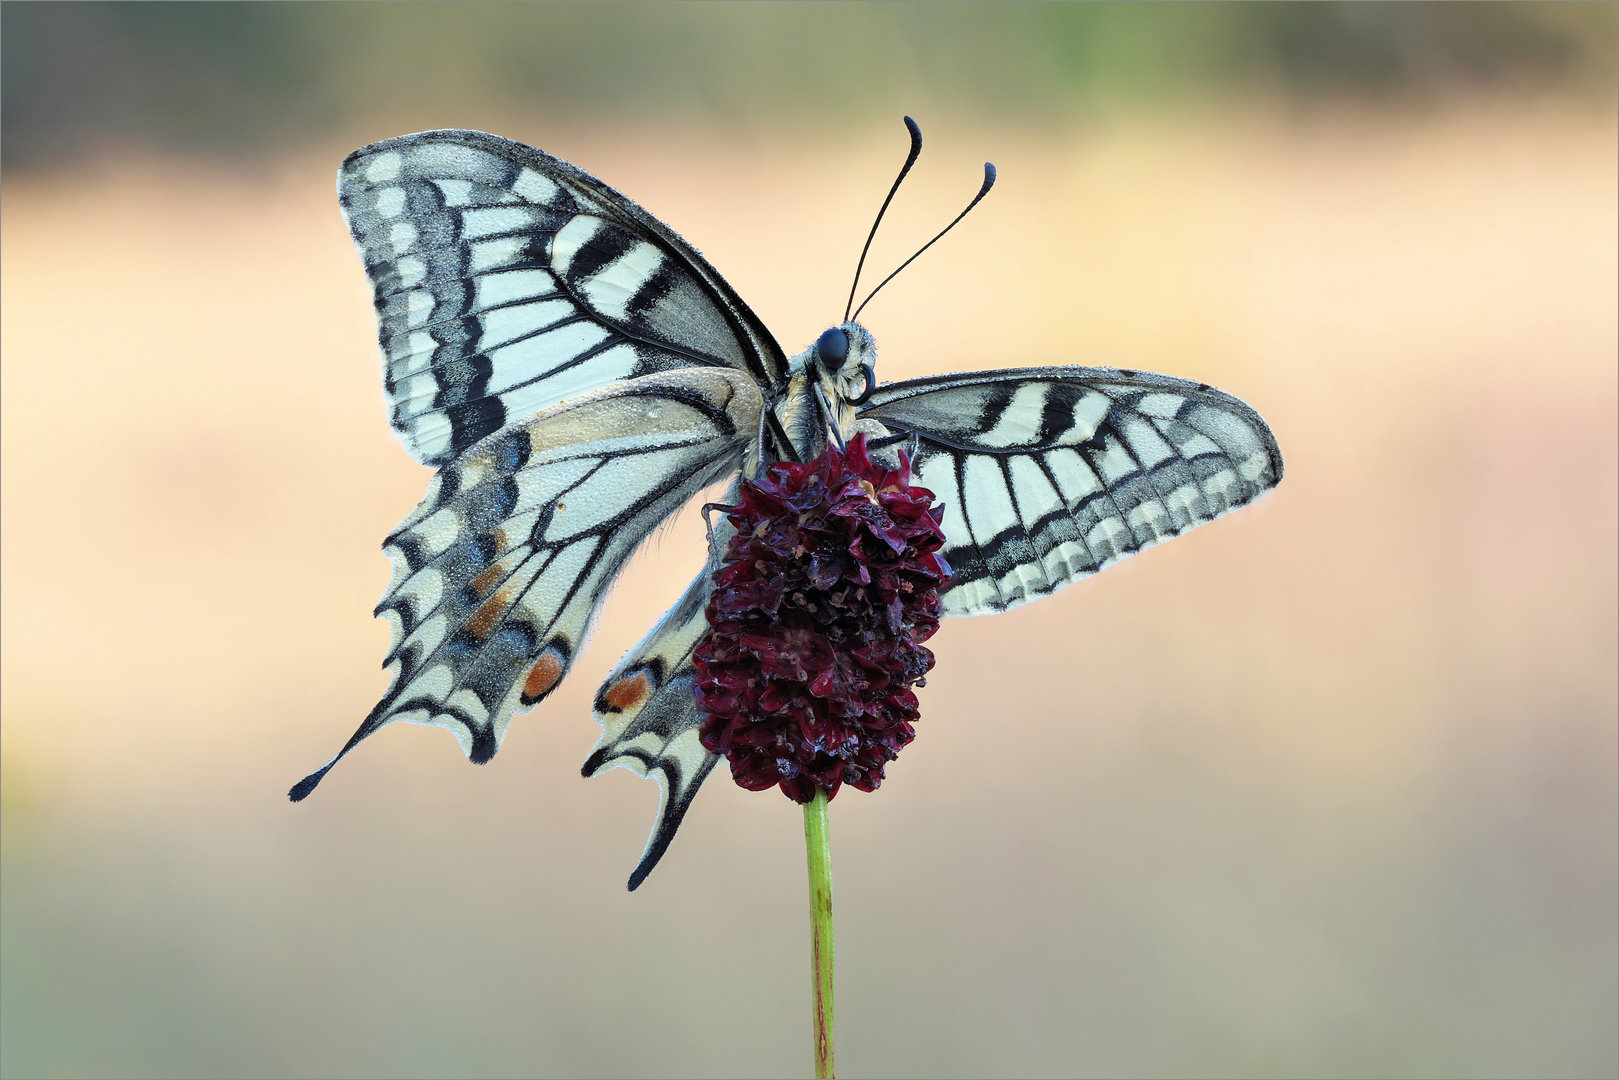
point(506, 281)
point(1048, 475)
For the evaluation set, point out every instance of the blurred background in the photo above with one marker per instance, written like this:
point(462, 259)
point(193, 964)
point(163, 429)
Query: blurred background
point(1325, 788)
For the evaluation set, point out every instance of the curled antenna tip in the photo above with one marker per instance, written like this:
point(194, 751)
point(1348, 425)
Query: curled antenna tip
point(989, 182)
point(910, 159)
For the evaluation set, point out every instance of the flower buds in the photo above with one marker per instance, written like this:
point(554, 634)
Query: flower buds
point(816, 623)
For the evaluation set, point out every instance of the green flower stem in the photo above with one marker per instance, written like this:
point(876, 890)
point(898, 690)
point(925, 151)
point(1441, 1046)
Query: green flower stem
point(818, 844)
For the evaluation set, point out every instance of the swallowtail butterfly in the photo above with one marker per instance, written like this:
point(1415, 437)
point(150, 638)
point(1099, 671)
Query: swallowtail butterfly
point(578, 372)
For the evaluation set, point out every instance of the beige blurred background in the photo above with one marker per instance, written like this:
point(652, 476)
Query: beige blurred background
point(1326, 788)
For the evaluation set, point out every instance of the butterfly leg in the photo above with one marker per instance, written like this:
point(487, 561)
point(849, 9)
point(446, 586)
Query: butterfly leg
point(830, 417)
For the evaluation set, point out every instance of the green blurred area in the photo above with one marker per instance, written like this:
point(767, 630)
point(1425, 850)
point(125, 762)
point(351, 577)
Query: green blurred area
point(244, 76)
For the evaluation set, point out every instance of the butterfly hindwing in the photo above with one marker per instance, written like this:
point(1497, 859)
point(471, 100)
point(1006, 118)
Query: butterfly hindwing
point(500, 570)
point(507, 280)
point(648, 712)
point(1049, 475)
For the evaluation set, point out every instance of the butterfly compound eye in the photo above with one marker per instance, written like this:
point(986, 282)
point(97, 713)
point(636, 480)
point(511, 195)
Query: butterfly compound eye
point(833, 348)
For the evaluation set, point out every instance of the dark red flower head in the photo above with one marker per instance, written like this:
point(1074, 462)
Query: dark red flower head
point(816, 624)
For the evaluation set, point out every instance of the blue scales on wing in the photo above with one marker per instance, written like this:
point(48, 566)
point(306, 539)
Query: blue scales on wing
point(500, 570)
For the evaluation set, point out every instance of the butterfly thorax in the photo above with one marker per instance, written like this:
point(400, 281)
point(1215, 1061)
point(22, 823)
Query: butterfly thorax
point(826, 384)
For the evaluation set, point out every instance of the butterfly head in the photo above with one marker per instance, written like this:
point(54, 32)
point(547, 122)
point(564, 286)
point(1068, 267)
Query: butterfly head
point(827, 383)
point(845, 360)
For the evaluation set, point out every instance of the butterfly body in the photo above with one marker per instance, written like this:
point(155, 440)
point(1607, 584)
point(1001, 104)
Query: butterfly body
point(822, 396)
point(578, 372)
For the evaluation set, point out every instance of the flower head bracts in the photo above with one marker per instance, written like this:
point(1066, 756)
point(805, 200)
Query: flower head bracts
point(816, 623)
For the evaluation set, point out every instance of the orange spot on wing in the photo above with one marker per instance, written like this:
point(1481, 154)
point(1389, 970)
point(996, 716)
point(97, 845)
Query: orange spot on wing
point(488, 579)
point(542, 676)
point(630, 692)
point(485, 618)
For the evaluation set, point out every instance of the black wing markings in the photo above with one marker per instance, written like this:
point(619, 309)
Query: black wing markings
point(492, 613)
point(445, 218)
point(1148, 460)
point(767, 362)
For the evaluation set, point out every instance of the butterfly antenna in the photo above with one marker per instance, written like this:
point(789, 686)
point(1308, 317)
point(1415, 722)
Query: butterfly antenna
point(989, 182)
point(916, 150)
